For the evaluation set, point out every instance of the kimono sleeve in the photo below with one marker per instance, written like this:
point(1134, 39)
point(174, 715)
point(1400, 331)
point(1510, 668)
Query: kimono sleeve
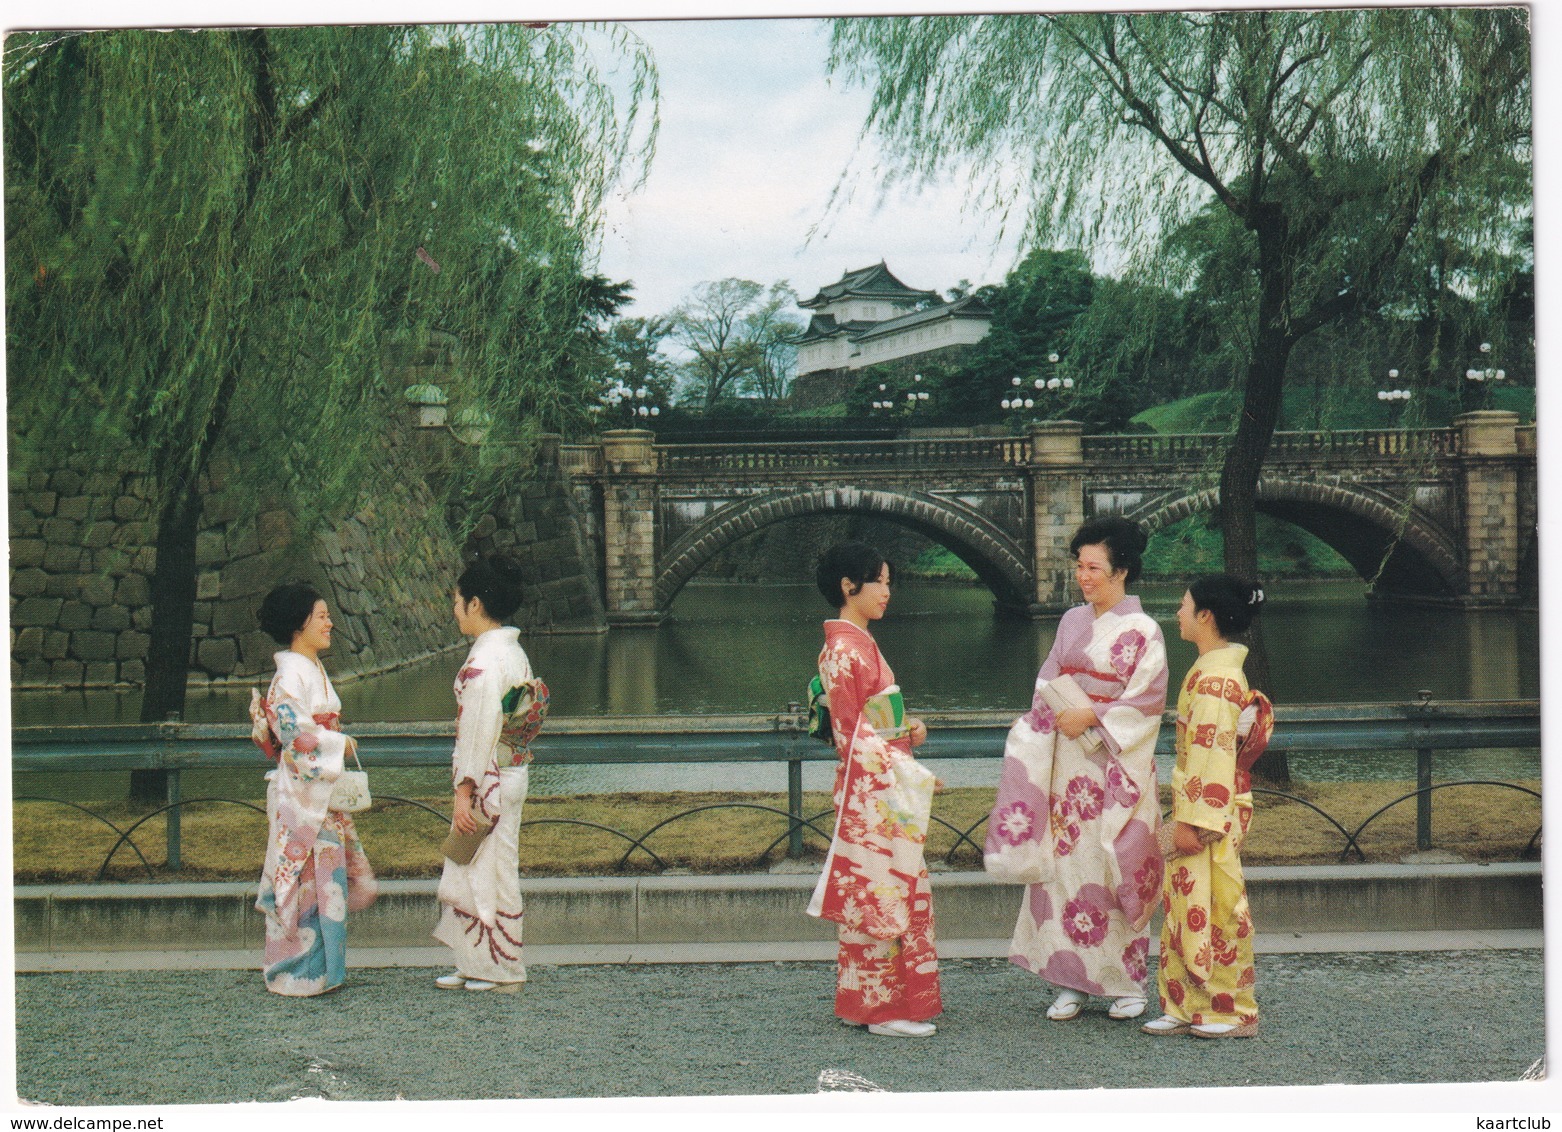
point(1137, 655)
point(850, 678)
point(310, 750)
point(1204, 784)
point(479, 717)
point(1041, 716)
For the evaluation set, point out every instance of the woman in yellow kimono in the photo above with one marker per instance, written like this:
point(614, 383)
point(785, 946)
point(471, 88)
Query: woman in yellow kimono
point(1206, 966)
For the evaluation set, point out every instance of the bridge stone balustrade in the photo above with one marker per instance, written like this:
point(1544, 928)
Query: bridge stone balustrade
point(1438, 515)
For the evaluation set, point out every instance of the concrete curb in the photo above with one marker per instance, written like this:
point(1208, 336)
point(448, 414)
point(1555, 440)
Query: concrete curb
point(756, 908)
point(813, 951)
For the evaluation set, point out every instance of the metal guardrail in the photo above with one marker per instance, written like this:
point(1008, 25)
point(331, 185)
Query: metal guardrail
point(1425, 727)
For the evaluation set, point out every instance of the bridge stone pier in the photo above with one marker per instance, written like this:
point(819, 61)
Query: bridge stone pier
point(1437, 515)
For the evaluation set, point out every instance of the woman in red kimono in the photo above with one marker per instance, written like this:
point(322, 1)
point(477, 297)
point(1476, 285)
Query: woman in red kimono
point(874, 884)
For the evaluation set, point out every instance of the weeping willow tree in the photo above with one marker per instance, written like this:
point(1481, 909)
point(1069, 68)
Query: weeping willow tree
point(1323, 135)
point(213, 238)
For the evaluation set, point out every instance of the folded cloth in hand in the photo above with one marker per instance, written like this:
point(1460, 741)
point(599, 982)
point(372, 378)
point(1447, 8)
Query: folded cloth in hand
point(462, 847)
point(1061, 694)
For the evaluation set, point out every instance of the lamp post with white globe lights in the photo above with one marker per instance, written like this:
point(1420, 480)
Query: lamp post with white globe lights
point(889, 402)
point(638, 404)
point(1025, 396)
point(1484, 378)
point(1395, 398)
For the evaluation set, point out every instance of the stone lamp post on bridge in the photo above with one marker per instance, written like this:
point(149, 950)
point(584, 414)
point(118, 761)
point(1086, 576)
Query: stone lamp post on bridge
point(638, 405)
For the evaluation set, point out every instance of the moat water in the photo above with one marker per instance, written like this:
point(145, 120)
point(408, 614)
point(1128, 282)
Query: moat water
point(751, 648)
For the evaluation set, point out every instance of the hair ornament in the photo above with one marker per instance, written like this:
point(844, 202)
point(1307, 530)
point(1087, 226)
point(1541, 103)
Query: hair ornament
point(1258, 596)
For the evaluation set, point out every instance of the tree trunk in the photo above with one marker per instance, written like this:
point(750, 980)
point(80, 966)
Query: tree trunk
point(1245, 461)
point(178, 523)
point(173, 623)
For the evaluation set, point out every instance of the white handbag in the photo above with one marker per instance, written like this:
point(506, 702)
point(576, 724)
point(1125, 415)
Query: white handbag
point(350, 792)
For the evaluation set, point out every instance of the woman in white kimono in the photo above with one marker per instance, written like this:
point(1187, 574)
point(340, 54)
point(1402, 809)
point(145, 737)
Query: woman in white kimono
point(315, 870)
point(499, 710)
point(1084, 807)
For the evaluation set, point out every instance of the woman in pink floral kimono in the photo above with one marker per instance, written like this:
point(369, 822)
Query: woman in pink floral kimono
point(315, 871)
point(1078, 793)
point(500, 707)
point(874, 884)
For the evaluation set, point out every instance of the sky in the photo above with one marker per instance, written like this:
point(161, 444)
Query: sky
point(755, 138)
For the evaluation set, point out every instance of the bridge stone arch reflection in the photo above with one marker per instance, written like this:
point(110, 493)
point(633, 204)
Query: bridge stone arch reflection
point(997, 559)
point(1405, 551)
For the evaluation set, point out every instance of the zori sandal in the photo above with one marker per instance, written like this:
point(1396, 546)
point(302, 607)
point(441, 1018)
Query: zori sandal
point(1128, 1007)
point(1066, 1006)
point(1225, 1030)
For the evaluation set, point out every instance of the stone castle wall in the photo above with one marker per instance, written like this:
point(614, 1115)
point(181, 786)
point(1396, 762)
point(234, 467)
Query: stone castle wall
point(540, 525)
point(80, 556)
point(82, 552)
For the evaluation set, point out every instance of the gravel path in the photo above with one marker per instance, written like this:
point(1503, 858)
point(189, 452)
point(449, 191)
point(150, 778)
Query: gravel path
point(657, 1030)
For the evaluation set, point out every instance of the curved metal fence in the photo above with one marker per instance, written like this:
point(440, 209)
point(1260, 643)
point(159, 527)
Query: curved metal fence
point(1425, 727)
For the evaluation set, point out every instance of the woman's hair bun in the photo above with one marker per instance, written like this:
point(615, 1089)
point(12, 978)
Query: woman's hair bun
point(1234, 601)
point(496, 580)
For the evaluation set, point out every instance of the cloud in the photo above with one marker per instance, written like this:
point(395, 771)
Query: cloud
point(755, 138)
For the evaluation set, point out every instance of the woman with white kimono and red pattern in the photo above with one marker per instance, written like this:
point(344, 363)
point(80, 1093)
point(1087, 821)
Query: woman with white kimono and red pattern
point(315, 871)
point(500, 707)
point(874, 884)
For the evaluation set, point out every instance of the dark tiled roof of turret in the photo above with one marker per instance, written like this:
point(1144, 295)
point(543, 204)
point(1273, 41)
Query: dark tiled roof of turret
point(821, 326)
point(968, 307)
point(875, 281)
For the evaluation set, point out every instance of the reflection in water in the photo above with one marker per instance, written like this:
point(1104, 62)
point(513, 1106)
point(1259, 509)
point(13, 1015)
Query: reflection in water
point(628, 675)
point(1496, 671)
point(751, 648)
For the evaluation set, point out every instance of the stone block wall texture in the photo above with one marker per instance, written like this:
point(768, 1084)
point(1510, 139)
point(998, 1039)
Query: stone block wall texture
point(82, 552)
point(1492, 530)
point(629, 529)
point(541, 526)
point(820, 388)
point(1057, 510)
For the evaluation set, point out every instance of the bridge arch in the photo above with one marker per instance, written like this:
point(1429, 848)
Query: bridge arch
point(1421, 558)
point(998, 561)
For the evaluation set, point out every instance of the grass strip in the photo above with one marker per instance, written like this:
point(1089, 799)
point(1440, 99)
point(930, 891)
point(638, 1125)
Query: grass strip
point(724, 832)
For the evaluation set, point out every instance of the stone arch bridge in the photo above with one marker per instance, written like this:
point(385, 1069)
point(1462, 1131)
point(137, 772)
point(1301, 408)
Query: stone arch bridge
point(1441, 515)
